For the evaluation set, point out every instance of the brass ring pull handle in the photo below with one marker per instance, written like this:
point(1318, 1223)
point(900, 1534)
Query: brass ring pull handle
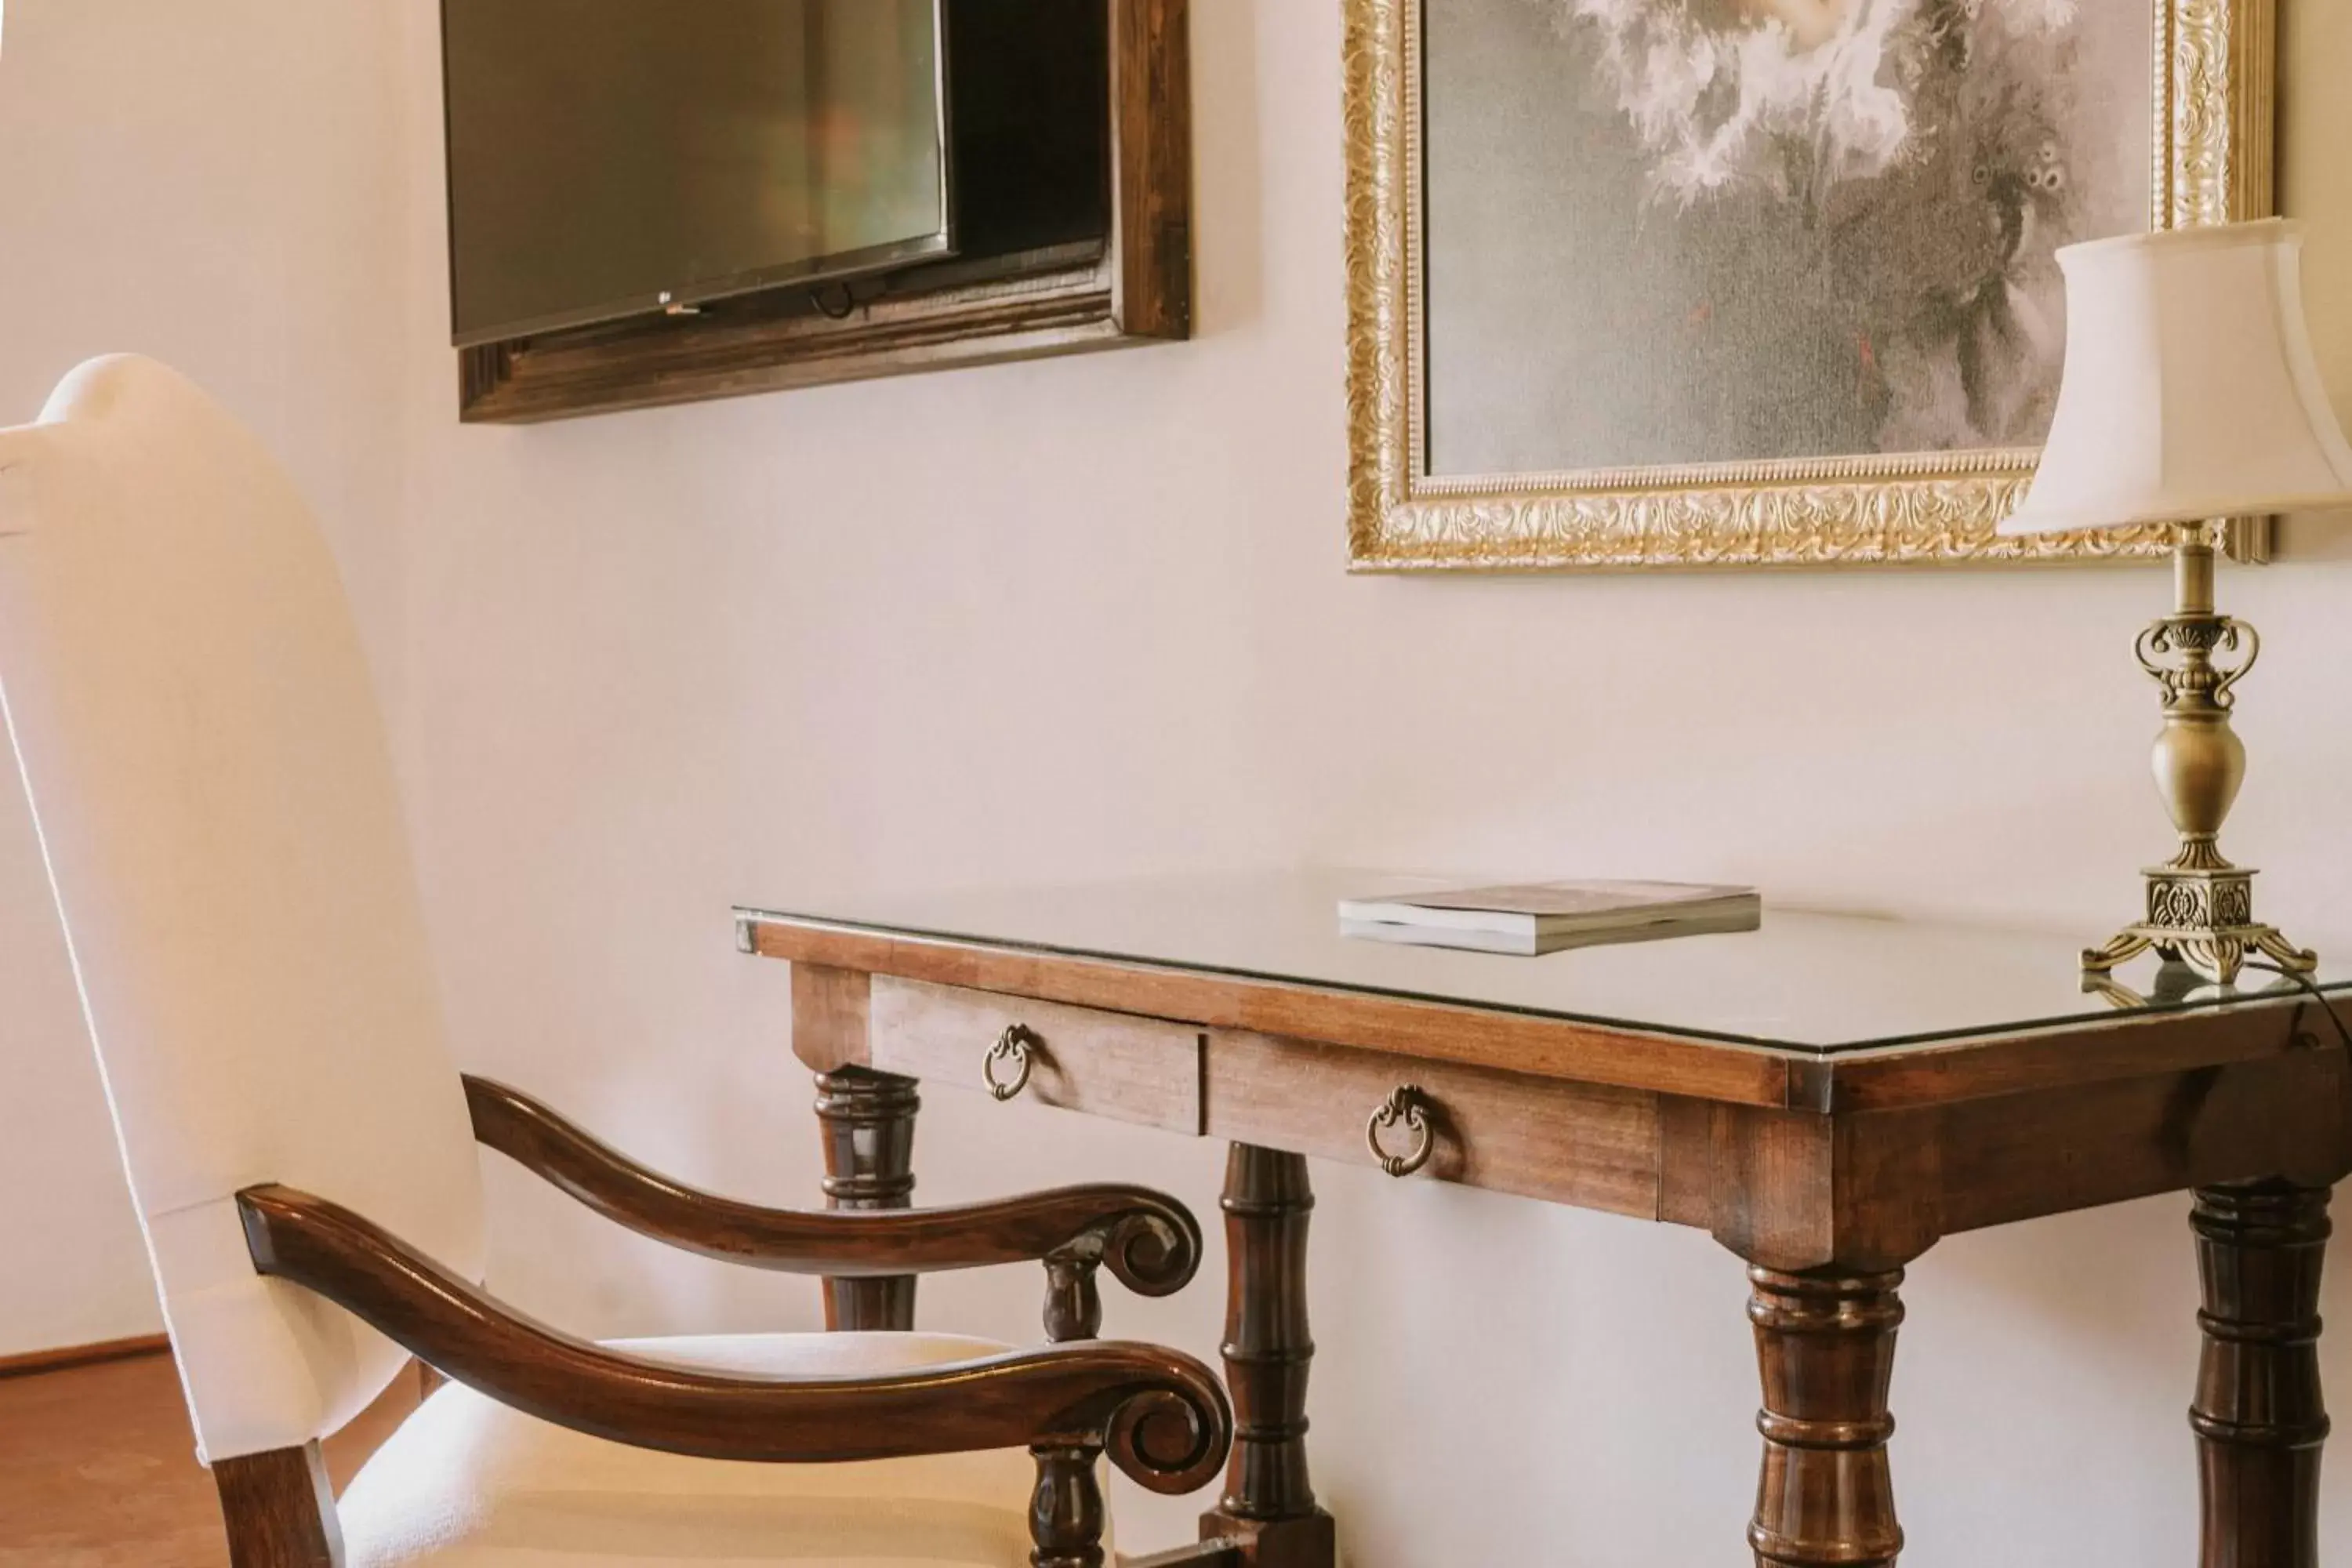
point(1013, 1046)
point(1412, 1107)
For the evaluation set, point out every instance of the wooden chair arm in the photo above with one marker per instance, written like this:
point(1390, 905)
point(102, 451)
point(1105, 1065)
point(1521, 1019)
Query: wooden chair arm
point(1159, 1414)
point(1149, 1241)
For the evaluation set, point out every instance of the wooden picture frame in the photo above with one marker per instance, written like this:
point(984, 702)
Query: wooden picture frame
point(2214, 71)
point(1134, 286)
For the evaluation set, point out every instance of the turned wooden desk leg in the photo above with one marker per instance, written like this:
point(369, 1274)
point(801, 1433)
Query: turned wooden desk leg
point(2259, 1417)
point(869, 1118)
point(1825, 1342)
point(1268, 1503)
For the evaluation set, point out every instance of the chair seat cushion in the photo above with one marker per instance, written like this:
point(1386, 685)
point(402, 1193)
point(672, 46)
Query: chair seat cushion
point(467, 1483)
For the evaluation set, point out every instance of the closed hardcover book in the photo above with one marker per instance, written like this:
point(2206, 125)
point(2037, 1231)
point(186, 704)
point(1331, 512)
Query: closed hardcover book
point(1544, 917)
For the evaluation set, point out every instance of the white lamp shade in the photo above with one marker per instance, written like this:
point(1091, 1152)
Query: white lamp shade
point(2191, 391)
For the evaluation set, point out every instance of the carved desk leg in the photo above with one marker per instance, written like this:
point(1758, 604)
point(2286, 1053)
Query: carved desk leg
point(2259, 1417)
point(868, 1119)
point(1268, 1503)
point(1825, 1341)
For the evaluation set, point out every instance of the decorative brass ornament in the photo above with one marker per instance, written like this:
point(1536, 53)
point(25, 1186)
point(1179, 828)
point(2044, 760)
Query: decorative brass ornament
point(1410, 1106)
point(2201, 907)
point(2215, 70)
point(1013, 1045)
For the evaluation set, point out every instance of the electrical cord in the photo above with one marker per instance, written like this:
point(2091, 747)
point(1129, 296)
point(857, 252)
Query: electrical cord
point(2311, 987)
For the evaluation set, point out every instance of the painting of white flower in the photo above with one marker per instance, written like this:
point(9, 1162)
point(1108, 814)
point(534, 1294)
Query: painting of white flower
point(1696, 232)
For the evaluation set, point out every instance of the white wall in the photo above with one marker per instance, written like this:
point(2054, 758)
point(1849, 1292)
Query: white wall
point(1088, 618)
point(213, 184)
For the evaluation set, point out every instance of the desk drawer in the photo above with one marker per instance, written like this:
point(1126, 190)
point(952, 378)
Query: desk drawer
point(1144, 1071)
point(1586, 1144)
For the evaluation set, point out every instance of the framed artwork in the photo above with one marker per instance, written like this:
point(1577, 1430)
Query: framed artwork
point(1664, 283)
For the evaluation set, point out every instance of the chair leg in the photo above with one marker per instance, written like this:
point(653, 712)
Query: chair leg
point(280, 1509)
point(1066, 1515)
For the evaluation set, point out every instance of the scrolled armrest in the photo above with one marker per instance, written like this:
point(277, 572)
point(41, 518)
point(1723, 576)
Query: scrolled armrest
point(1149, 1241)
point(1160, 1416)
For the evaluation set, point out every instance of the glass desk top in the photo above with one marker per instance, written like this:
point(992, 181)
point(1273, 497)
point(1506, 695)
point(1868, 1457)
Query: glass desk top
point(1818, 984)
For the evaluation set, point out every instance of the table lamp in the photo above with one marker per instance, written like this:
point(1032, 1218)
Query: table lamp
point(2191, 394)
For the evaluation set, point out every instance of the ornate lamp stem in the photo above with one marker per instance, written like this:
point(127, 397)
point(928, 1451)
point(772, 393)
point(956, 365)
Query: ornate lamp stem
point(2201, 907)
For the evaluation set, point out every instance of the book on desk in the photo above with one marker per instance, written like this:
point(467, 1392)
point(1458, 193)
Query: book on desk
point(1535, 917)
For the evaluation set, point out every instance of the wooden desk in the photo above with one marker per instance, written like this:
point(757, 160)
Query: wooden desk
point(1827, 1097)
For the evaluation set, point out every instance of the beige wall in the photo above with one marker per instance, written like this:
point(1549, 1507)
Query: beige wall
point(212, 184)
point(1088, 617)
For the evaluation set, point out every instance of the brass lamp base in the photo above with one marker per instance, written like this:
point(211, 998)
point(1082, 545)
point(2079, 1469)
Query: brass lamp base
point(2201, 907)
point(2203, 918)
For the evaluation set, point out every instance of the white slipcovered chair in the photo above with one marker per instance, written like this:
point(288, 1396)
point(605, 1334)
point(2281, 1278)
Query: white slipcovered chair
point(185, 691)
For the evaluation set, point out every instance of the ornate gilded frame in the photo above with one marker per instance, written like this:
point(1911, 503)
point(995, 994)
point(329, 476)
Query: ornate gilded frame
point(2216, 69)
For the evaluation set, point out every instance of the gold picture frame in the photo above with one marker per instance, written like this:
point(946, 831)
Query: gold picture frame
point(2215, 67)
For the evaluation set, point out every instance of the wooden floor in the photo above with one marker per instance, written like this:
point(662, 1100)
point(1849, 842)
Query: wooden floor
point(98, 1469)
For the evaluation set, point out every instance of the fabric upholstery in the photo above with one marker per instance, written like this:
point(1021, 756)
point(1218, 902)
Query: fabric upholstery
point(465, 1483)
point(198, 729)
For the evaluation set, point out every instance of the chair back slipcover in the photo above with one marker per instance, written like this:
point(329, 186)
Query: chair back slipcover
point(209, 771)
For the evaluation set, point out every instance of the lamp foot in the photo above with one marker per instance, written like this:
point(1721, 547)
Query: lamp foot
point(2116, 953)
point(2218, 955)
point(2200, 913)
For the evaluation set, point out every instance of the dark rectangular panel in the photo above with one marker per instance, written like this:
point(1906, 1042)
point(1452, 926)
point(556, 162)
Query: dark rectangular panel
point(607, 157)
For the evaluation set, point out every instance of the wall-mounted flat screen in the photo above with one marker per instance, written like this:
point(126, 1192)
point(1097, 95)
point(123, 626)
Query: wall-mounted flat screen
point(611, 158)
